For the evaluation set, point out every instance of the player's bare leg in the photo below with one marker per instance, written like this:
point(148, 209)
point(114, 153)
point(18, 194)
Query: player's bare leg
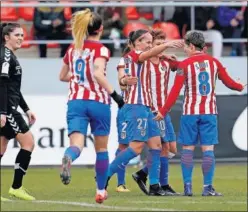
point(71, 154)
point(23, 158)
point(101, 167)
point(208, 168)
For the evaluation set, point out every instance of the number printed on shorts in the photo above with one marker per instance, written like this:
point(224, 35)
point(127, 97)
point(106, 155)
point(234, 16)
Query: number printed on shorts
point(161, 125)
point(142, 123)
point(79, 69)
point(123, 130)
point(124, 126)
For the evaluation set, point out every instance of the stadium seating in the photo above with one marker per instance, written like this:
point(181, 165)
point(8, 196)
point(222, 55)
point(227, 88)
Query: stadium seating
point(27, 13)
point(133, 26)
point(132, 13)
point(170, 29)
point(9, 13)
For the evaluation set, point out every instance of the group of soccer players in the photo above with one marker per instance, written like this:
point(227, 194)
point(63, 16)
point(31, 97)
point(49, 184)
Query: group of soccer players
point(143, 74)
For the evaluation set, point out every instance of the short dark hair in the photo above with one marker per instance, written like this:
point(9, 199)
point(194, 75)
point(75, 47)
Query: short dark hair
point(195, 38)
point(6, 29)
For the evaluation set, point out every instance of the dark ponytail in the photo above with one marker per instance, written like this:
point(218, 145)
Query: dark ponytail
point(6, 29)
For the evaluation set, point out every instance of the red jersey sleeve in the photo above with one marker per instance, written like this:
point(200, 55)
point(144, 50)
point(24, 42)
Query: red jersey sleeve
point(175, 91)
point(135, 56)
point(174, 64)
point(102, 52)
point(226, 79)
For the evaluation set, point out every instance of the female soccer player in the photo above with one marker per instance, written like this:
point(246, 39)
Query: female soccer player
point(160, 68)
point(12, 123)
point(199, 73)
point(120, 120)
point(140, 126)
point(89, 101)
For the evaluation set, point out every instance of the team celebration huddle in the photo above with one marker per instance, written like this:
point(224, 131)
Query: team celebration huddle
point(144, 104)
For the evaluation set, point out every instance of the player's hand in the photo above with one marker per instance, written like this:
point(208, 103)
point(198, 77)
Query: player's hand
point(244, 85)
point(129, 80)
point(234, 22)
point(175, 44)
point(3, 120)
point(118, 99)
point(169, 57)
point(158, 117)
point(31, 117)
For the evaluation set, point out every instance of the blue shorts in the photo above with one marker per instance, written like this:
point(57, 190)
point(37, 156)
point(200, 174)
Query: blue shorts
point(140, 123)
point(121, 127)
point(166, 128)
point(203, 127)
point(82, 112)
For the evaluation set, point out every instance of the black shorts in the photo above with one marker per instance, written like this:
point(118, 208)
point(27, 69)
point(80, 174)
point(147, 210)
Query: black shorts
point(15, 124)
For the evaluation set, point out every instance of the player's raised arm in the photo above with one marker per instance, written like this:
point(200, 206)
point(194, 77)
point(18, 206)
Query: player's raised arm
point(158, 49)
point(226, 79)
point(174, 93)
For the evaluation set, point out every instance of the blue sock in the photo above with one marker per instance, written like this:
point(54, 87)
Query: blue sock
point(208, 167)
point(73, 152)
point(120, 172)
point(187, 165)
point(101, 168)
point(164, 170)
point(121, 160)
point(153, 165)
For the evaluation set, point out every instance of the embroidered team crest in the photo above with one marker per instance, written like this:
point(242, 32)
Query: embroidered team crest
point(162, 133)
point(162, 68)
point(143, 132)
point(180, 72)
point(127, 60)
point(123, 135)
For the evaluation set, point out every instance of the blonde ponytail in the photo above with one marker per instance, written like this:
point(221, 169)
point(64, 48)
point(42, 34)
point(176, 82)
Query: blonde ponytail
point(79, 23)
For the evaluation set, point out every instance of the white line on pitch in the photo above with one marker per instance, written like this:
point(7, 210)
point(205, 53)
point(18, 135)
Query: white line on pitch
point(170, 200)
point(84, 204)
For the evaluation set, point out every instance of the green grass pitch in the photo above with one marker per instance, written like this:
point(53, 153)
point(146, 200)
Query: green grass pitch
point(52, 195)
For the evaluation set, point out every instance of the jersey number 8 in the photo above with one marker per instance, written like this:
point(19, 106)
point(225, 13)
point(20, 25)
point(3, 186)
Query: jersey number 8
point(79, 69)
point(204, 86)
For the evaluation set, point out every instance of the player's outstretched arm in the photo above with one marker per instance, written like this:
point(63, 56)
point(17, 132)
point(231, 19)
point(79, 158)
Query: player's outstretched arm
point(65, 75)
point(174, 93)
point(158, 49)
point(227, 80)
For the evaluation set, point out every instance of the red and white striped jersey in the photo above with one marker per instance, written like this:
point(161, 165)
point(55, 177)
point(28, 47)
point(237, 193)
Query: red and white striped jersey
point(199, 73)
point(160, 74)
point(141, 92)
point(82, 83)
